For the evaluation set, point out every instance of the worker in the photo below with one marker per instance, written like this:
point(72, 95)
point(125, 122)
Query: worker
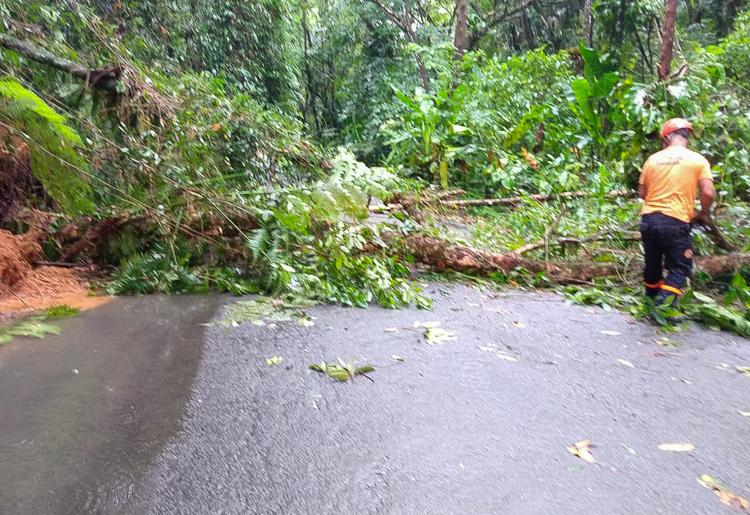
point(668, 185)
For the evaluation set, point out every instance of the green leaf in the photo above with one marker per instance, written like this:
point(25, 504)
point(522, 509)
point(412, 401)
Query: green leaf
point(603, 86)
point(342, 372)
point(593, 67)
point(582, 94)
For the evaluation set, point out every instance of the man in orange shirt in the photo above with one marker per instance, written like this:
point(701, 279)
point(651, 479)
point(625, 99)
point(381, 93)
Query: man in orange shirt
point(668, 185)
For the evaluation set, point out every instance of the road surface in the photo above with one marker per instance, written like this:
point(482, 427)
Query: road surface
point(140, 407)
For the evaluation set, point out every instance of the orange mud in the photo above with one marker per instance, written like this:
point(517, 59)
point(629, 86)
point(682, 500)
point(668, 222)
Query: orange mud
point(25, 288)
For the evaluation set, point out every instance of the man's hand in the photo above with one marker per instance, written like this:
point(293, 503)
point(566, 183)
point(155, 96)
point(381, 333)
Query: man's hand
point(702, 219)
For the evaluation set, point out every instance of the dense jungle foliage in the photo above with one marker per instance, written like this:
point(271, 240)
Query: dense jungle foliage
point(241, 142)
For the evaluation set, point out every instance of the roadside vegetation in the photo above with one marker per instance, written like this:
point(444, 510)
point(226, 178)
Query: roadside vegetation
point(330, 149)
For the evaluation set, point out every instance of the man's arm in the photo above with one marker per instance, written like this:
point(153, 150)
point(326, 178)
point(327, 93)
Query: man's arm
point(708, 194)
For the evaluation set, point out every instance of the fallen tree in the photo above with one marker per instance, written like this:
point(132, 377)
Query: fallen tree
point(411, 205)
point(105, 78)
point(443, 255)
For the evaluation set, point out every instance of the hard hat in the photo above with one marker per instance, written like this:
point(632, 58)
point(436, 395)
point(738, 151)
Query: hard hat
point(675, 124)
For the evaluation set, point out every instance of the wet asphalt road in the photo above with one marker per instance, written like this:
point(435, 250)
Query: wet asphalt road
point(166, 415)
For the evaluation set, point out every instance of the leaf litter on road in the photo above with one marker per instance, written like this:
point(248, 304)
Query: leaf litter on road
point(342, 371)
point(263, 311)
point(497, 352)
point(437, 335)
point(724, 494)
point(582, 449)
point(677, 447)
point(34, 327)
point(273, 361)
point(666, 342)
point(433, 333)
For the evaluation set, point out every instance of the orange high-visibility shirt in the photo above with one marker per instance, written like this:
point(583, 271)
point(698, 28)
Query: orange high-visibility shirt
point(671, 179)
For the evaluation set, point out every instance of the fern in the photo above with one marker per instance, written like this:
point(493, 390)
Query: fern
point(154, 272)
point(54, 146)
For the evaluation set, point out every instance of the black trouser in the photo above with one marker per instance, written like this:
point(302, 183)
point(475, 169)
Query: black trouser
point(666, 244)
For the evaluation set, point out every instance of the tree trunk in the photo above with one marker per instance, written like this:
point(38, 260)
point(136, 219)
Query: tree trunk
point(667, 39)
point(423, 72)
point(443, 255)
point(459, 40)
point(588, 19)
point(309, 111)
point(105, 79)
point(528, 31)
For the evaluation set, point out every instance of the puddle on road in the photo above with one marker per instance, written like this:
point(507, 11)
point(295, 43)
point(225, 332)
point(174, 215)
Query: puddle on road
point(106, 394)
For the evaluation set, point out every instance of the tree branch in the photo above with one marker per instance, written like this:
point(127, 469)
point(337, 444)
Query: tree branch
point(405, 26)
point(512, 201)
point(495, 21)
point(105, 79)
point(395, 18)
point(627, 236)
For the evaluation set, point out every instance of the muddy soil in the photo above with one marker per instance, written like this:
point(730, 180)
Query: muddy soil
point(26, 287)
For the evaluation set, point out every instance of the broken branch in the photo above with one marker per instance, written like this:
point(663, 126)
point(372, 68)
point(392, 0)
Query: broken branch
point(713, 232)
point(105, 79)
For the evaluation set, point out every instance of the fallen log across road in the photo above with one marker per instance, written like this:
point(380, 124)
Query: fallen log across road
point(443, 255)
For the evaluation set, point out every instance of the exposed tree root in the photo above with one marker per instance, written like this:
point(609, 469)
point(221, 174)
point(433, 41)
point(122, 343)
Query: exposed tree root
point(17, 183)
point(93, 235)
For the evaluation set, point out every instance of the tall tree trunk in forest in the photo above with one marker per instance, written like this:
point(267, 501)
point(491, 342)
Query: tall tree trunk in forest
point(423, 72)
point(459, 39)
point(528, 31)
point(587, 22)
point(667, 39)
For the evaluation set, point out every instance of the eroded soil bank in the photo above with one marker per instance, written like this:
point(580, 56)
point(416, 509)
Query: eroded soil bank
point(25, 286)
